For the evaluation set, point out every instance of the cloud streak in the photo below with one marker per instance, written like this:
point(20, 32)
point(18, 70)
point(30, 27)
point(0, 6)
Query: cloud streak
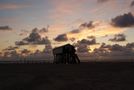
point(87, 42)
point(102, 1)
point(118, 38)
point(88, 25)
point(64, 8)
point(12, 6)
point(5, 28)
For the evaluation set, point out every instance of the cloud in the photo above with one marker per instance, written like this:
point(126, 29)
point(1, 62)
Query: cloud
point(130, 45)
point(117, 47)
point(48, 49)
point(12, 6)
point(94, 28)
point(126, 20)
point(43, 30)
point(5, 28)
point(91, 37)
point(82, 48)
point(75, 31)
point(10, 51)
point(116, 50)
point(25, 52)
point(102, 1)
point(132, 4)
point(21, 43)
point(34, 38)
point(90, 41)
point(10, 48)
point(82, 45)
point(88, 25)
point(61, 38)
point(24, 33)
point(86, 30)
point(118, 38)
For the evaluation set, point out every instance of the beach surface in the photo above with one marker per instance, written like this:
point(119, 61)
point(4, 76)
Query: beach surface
point(83, 76)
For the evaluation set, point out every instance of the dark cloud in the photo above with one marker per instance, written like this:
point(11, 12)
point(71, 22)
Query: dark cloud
point(126, 20)
point(4, 28)
point(48, 49)
point(21, 43)
point(61, 38)
point(72, 39)
point(75, 31)
point(130, 45)
point(82, 26)
point(82, 45)
point(33, 38)
point(102, 1)
point(132, 4)
point(116, 50)
point(118, 38)
point(39, 30)
point(87, 25)
point(25, 51)
point(10, 48)
point(90, 41)
point(43, 30)
point(45, 41)
point(91, 37)
point(82, 48)
point(12, 53)
point(116, 47)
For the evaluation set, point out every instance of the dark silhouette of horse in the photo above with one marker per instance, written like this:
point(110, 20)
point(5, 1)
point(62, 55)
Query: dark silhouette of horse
point(65, 54)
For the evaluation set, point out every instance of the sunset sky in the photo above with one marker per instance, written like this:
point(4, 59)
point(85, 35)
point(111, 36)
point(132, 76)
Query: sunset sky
point(65, 21)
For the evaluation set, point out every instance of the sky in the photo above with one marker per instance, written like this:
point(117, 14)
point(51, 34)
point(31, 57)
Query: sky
point(29, 23)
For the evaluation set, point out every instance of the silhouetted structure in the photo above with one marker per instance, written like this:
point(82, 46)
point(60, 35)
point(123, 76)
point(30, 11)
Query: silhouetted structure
point(65, 54)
